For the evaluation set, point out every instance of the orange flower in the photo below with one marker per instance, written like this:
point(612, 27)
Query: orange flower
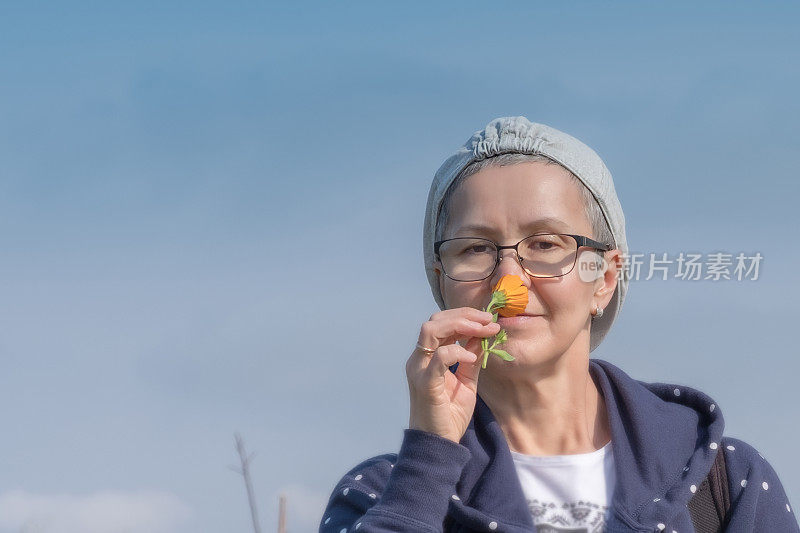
point(514, 297)
point(509, 298)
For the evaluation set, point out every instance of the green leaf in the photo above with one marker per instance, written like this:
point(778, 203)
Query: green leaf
point(495, 317)
point(502, 354)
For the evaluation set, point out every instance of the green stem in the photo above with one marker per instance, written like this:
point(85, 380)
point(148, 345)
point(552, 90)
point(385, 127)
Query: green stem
point(484, 341)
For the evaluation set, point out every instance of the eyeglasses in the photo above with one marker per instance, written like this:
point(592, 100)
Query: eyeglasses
point(544, 255)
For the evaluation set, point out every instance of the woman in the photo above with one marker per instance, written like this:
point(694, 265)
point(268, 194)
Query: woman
point(552, 441)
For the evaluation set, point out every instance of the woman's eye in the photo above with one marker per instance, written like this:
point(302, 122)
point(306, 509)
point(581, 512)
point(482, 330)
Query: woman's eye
point(478, 249)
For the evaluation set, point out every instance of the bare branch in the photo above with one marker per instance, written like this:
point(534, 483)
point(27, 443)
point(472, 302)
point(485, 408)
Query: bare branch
point(245, 472)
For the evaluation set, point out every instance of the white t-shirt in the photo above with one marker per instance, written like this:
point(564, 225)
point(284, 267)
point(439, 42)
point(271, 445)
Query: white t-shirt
point(568, 493)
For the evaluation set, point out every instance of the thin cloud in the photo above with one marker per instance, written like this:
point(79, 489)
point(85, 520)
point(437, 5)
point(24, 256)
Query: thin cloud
point(99, 512)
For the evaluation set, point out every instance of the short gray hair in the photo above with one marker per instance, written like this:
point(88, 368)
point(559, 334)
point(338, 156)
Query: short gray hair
point(600, 230)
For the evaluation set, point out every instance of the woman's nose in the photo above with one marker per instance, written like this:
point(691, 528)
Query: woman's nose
point(509, 264)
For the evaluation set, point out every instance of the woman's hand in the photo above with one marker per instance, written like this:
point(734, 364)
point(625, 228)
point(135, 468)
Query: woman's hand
point(443, 402)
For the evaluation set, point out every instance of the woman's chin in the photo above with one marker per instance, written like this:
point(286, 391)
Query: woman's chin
point(528, 347)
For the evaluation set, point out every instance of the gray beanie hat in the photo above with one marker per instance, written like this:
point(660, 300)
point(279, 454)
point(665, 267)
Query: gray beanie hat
point(519, 135)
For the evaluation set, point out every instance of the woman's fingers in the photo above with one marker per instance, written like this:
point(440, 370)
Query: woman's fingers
point(447, 356)
point(467, 372)
point(435, 333)
point(468, 312)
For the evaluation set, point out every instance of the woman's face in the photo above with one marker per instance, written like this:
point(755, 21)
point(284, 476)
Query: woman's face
point(511, 203)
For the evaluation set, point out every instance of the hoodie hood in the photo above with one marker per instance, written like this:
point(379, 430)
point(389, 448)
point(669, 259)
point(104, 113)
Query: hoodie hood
point(664, 440)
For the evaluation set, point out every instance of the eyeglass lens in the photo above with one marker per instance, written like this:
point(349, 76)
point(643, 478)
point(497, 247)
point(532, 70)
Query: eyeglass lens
point(473, 259)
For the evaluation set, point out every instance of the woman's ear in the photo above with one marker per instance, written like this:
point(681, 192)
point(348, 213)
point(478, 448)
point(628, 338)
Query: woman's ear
point(437, 267)
point(606, 282)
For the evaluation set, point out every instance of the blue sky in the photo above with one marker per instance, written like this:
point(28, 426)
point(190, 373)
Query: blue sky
point(187, 192)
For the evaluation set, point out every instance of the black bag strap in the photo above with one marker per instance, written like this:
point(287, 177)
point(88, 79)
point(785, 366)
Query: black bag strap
point(710, 504)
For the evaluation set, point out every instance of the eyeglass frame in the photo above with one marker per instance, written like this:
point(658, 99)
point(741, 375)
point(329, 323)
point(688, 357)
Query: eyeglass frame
point(581, 241)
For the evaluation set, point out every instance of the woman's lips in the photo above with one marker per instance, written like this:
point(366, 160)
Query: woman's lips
point(516, 320)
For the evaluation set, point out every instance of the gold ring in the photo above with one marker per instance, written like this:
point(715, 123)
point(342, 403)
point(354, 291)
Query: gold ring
point(428, 351)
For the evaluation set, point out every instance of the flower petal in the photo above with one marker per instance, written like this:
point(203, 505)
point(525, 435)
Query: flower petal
point(516, 295)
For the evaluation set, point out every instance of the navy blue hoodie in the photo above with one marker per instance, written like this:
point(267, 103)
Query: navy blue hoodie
point(664, 439)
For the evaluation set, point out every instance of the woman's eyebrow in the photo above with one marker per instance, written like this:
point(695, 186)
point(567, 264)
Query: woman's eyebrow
point(545, 222)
